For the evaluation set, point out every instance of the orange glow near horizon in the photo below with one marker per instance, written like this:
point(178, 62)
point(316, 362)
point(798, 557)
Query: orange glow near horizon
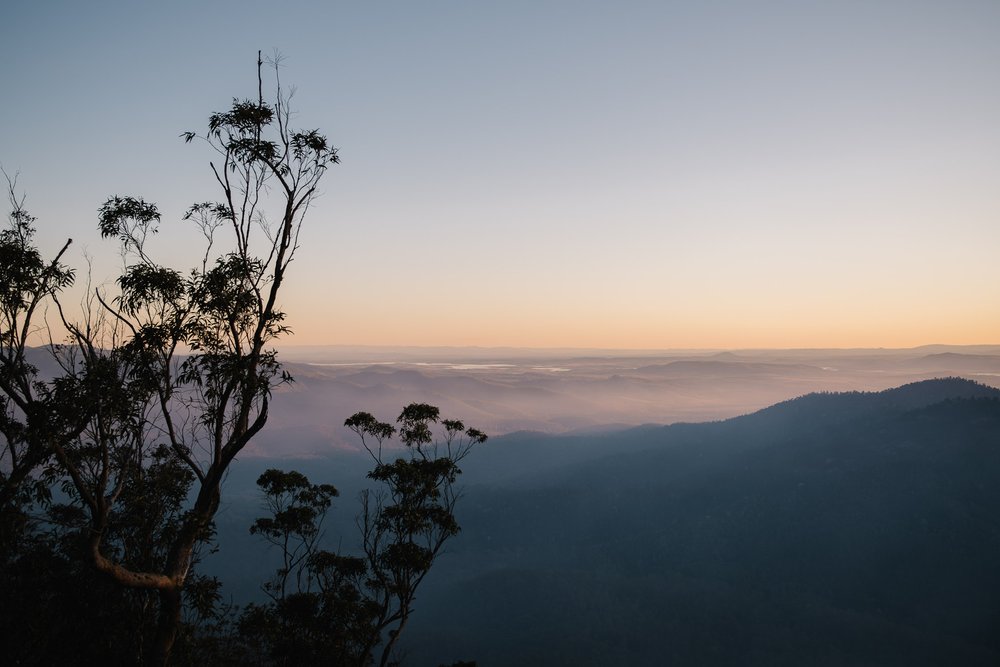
point(530, 331)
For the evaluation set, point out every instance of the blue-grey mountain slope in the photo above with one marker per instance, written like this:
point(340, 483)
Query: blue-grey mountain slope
point(859, 528)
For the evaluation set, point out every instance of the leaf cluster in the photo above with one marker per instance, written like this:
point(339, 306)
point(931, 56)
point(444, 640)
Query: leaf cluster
point(350, 609)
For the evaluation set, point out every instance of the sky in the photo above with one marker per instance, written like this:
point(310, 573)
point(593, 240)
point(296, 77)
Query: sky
point(567, 174)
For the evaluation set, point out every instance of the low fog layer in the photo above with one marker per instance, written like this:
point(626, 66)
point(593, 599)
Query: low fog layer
point(506, 390)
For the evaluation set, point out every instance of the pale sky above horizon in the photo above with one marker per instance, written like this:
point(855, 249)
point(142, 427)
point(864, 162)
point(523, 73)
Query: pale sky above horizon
point(566, 174)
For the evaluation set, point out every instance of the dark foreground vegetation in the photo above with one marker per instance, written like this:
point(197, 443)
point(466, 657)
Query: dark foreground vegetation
point(319, 607)
point(117, 438)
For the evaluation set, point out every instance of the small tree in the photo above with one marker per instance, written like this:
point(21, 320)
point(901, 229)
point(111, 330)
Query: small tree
point(32, 413)
point(348, 610)
point(163, 383)
point(297, 509)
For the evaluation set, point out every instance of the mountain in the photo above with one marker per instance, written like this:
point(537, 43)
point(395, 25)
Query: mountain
point(857, 528)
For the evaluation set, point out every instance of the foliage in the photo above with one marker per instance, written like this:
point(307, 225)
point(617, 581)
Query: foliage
point(161, 382)
point(31, 412)
point(113, 456)
point(344, 609)
point(297, 509)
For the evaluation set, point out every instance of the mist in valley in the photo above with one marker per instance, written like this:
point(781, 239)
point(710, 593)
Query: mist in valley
point(507, 389)
point(709, 508)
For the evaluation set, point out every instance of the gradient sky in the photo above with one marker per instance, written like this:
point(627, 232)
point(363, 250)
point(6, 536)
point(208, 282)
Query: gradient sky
point(629, 174)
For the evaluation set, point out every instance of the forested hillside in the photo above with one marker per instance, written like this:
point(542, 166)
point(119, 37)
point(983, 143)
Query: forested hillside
point(832, 529)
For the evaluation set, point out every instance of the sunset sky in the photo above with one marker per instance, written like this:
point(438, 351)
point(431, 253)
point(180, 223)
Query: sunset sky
point(572, 174)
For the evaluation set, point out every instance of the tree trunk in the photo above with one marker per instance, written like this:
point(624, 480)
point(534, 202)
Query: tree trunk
point(166, 627)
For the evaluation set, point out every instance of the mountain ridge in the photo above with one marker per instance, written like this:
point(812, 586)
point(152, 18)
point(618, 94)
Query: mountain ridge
point(850, 528)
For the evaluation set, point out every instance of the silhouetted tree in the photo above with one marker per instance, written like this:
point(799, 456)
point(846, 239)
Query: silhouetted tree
point(164, 382)
point(344, 609)
point(297, 510)
point(32, 413)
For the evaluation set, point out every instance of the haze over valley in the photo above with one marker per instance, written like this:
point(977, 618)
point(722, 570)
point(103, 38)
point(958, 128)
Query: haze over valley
point(558, 391)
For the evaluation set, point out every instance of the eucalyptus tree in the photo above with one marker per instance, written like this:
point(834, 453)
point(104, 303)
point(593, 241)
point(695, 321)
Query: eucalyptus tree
point(167, 377)
point(29, 415)
point(351, 609)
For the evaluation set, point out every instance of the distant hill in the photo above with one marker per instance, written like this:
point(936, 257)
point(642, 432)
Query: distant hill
point(833, 529)
point(531, 454)
point(820, 408)
point(725, 367)
point(958, 363)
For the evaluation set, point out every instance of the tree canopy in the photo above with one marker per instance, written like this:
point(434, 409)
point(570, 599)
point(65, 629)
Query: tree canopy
point(113, 457)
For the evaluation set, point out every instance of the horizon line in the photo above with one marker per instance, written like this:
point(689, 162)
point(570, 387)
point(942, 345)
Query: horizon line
point(572, 348)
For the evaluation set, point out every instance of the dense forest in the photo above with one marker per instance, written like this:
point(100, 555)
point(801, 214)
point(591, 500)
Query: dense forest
point(831, 529)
